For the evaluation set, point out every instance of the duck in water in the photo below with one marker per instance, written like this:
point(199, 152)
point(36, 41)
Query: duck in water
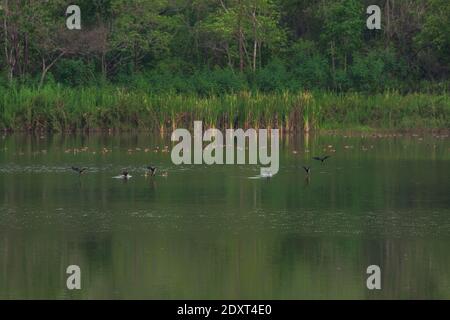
point(307, 170)
point(80, 171)
point(125, 175)
point(150, 171)
point(266, 174)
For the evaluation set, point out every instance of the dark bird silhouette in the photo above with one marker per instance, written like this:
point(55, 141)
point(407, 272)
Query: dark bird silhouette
point(151, 170)
point(321, 159)
point(307, 170)
point(125, 174)
point(79, 170)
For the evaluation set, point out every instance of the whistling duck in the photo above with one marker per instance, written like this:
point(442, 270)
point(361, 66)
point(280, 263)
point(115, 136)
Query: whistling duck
point(79, 170)
point(321, 159)
point(151, 171)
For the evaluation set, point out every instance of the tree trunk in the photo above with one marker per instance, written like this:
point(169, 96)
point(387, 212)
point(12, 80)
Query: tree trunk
point(45, 68)
point(135, 58)
point(241, 40)
point(44, 72)
point(103, 65)
point(6, 42)
point(255, 40)
point(388, 22)
point(333, 63)
point(25, 55)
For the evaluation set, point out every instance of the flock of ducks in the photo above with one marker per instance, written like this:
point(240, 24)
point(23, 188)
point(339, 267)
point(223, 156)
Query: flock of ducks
point(308, 169)
point(151, 171)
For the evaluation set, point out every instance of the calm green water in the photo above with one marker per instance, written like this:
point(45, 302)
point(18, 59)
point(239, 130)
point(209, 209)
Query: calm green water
point(210, 232)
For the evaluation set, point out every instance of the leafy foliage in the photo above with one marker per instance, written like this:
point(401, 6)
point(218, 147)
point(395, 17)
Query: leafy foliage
point(225, 46)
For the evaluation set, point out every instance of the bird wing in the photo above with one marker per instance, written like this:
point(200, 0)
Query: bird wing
point(317, 158)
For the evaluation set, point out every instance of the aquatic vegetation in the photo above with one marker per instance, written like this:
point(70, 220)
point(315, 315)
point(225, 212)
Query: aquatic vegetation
point(62, 109)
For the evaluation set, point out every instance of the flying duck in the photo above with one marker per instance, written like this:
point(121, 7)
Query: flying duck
point(151, 171)
point(79, 170)
point(321, 159)
point(307, 170)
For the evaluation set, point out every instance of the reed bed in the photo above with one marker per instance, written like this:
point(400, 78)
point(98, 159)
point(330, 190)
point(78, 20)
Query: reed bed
point(57, 108)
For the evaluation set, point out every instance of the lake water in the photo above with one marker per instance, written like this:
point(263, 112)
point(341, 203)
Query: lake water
point(210, 232)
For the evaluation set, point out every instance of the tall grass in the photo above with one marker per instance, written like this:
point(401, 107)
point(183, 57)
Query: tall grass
point(64, 109)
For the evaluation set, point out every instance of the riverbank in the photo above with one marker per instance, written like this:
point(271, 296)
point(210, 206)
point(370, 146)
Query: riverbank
point(63, 109)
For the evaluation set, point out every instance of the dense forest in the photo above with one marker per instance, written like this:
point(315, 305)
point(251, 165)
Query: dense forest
point(228, 45)
point(207, 48)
